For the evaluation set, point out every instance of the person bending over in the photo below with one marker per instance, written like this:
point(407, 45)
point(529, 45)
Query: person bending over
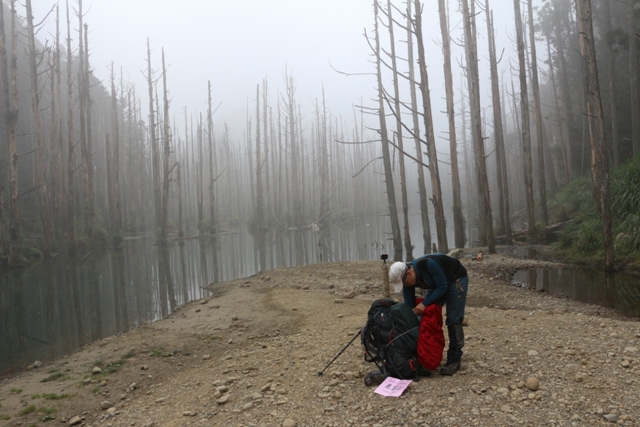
point(446, 282)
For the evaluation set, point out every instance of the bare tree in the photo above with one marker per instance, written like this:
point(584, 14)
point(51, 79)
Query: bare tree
point(538, 115)
point(484, 200)
point(422, 188)
point(441, 226)
point(166, 152)
point(71, 236)
point(595, 116)
point(498, 130)
point(526, 127)
point(396, 98)
point(633, 79)
point(458, 216)
point(7, 109)
point(386, 158)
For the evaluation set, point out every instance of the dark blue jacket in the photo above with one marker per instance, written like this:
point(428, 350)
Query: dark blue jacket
point(434, 272)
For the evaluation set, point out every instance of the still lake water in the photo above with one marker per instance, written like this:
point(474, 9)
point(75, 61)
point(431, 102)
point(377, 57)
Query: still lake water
point(57, 306)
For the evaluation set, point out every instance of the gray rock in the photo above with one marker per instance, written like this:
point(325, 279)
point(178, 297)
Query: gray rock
point(224, 399)
point(106, 405)
point(611, 417)
point(289, 423)
point(96, 370)
point(75, 421)
point(533, 384)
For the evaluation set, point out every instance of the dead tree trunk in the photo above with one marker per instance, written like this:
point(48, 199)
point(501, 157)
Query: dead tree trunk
point(386, 157)
point(633, 79)
point(212, 204)
point(613, 98)
point(118, 227)
point(484, 205)
point(526, 127)
point(458, 216)
point(441, 226)
point(71, 234)
point(597, 136)
point(155, 155)
point(7, 110)
point(35, 107)
point(403, 178)
point(166, 152)
point(422, 188)
point(12, 123)
point(538, 115)
point(498, 130)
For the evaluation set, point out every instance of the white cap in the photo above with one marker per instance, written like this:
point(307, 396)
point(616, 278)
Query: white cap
point(396, 272)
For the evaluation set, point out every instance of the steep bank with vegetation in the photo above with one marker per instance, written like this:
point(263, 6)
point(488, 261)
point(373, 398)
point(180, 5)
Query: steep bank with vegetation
point(581, 240)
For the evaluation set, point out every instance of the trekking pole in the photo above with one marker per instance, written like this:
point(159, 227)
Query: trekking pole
point(338, 355)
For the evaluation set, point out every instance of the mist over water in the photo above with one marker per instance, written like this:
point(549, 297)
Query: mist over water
point(57, 306)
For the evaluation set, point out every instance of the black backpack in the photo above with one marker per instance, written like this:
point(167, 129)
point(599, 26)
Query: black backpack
point(390, 340)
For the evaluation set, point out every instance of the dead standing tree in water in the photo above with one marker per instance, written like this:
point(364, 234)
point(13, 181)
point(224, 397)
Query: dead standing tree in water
point(9, 93)
point(526, 126)
point(484, 200)
point(498, 130)
point(595, 117)
point(540, 131)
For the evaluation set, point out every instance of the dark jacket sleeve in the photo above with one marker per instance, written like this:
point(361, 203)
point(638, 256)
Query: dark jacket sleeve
point(409, 295)
point(439, 281)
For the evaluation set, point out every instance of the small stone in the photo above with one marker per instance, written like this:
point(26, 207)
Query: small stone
point(206, 357)
point(143, 367)
point(37, 364)
point(234, 318)
point(75, 421)
point(533, 383)
point(289, 423)
point(611, 417)
point(222, 389)
point(247, 406)
point(96, 370)
point(224, 399)
point(625, 364)
point(506, 408)
point(197, 311)
point(533, 353)
point(188, 414)
point(626, 350)
point(338, 301)
point(106, 405)
point(503, 390)
point(571, 367)
point(111, 410)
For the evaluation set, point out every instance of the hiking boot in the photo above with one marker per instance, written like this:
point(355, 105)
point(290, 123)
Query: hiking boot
point(423, 372)
point(450, 368)
point(374, 378)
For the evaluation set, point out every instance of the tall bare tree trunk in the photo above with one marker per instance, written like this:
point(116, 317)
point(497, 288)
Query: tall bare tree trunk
point(212, 204)
point(613, 98)
point(71, 233)
point(526, 127)
point(155, 155)
point(633, 80)
point(441, 226)
point(166, 152)
point(498, 129)
point(91, 203)
point(403, 177)
point(422, 188)
point(386, 157)
point(484, 205)
point(12, 123)
point(458, 216)
point(538, 115)
point(118, 227)
point(597, 136)
point(7, 110)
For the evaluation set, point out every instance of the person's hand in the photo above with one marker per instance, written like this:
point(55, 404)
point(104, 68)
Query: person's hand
point(419, 309)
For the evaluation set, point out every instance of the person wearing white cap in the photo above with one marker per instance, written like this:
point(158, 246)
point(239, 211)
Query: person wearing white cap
point(446, 282)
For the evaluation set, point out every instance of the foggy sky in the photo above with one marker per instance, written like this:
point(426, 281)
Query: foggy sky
point(238, 44)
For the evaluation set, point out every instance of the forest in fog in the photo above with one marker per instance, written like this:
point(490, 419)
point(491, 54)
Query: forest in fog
point(86, 162)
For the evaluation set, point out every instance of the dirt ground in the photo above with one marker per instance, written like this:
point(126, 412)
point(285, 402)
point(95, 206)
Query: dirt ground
point(250, 356)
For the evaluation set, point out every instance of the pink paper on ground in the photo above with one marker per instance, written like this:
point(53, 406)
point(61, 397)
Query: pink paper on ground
point(392, 387)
